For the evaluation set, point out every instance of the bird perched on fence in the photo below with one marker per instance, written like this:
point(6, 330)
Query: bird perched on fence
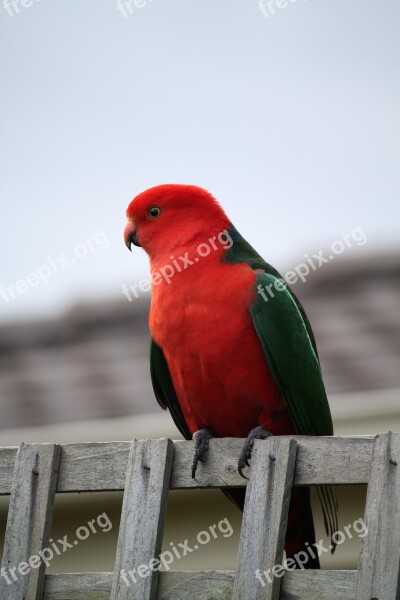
point(232, 351)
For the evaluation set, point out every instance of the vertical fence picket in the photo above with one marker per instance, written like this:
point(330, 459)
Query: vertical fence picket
point(142, 520)
point(29, 521)
point(265, 518)
point(379, 565)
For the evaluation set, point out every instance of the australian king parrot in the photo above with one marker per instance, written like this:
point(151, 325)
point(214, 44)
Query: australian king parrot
point(232, 352)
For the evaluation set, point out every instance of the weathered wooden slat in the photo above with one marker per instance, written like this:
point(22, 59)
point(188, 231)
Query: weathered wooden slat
point(78, 586)
point(102, 466)
point(203, 585)
point(142, 520)
point(320, 460)
point(7, 464)
point(29, 522)
point(378, 574)
point(91, 463)
point(318, 585)
point(265, 518)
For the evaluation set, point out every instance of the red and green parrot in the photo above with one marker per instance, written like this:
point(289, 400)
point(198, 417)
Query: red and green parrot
point(232, 351)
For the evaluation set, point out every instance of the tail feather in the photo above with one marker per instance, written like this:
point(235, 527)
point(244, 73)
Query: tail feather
point(329, 506)
point(300, 533)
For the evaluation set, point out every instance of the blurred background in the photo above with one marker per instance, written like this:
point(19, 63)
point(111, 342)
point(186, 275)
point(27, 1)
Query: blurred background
point(288, 112)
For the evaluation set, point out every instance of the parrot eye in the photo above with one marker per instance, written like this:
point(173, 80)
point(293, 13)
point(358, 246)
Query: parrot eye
point(154, 212)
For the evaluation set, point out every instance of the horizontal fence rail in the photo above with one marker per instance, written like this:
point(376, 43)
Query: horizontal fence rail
point(102, 466)
point(206, 585)
point(147, 469)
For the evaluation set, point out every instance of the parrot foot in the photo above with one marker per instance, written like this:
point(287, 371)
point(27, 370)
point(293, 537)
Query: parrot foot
point(258, 433)
point(201, 439)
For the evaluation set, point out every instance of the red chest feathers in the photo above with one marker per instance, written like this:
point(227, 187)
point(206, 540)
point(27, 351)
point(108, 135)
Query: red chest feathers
point(202, 321)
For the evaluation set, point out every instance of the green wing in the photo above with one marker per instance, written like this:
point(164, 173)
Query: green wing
point(288, 342)
point(289, 347)
point(164, 388)
point(291, 356)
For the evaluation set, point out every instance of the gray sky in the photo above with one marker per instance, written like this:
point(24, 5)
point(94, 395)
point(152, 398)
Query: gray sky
point(290, 119)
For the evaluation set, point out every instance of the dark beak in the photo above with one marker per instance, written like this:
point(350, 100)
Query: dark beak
point(132, 238)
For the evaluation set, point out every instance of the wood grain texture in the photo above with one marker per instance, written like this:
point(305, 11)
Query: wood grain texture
point(378, 571)
point(29, 521)
point(102, 466)
point(142, 520)
point(203, 585)
point(265, 518)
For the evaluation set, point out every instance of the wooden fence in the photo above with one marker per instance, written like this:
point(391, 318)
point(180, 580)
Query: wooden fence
point(148, 469)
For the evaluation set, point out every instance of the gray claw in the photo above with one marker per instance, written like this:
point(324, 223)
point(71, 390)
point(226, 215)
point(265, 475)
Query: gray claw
point(258, 433)
point(201, 440)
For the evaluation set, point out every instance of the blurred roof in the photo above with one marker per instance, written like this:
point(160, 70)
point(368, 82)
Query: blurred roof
point(354, 308)
point(92, 362)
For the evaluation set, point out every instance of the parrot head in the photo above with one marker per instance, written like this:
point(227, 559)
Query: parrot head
point(166, 216)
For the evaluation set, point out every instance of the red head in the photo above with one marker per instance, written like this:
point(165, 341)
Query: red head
point(171, 215)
